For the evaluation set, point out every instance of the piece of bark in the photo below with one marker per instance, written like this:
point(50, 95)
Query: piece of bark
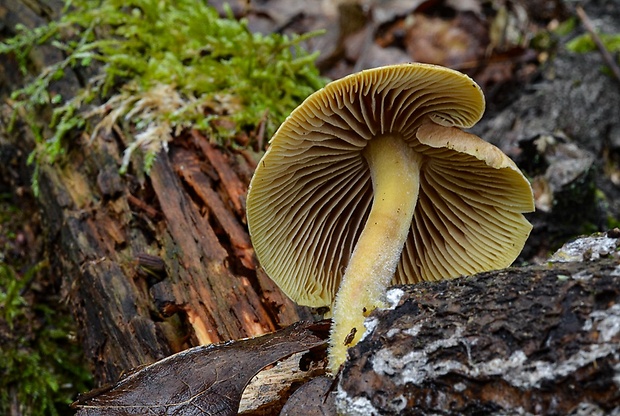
point(271, 390)
point(188, 167)
point(539, 339)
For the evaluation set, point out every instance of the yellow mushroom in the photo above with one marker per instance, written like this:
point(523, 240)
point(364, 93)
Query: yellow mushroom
point(371, 181)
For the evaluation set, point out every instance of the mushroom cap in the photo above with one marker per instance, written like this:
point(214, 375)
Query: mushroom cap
point(311, 193)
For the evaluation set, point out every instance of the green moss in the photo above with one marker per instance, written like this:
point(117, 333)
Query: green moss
point(159, 67)
point(584, 43)
point(40, 369)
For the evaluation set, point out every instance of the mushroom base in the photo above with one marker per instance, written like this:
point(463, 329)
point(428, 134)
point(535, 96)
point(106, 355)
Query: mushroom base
point(395, 174)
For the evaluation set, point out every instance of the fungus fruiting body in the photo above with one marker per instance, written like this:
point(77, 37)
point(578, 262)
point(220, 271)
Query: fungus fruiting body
point(370, 181)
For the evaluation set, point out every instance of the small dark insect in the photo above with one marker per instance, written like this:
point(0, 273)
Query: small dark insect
point(349, 338)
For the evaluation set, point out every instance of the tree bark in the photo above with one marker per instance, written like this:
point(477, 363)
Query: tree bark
point(150, 265)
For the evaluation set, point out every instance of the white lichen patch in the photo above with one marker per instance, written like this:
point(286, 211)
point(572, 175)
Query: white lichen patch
point(607, 323)
point(391, 332)
point(586, 248)
point(582, 276)
point(369, 324)
point(353, 406)
point(393, 297)
point(414, 330)
point(592, 409)
point(460, 387)
point(414, 367)
point(398, 404)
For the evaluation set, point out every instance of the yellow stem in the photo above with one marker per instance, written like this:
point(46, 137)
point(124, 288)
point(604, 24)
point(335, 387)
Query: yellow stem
point(395, 173)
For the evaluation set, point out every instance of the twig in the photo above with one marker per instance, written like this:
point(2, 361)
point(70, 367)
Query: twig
point(609, 60)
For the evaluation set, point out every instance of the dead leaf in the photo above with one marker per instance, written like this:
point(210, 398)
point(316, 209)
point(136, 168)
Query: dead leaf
point(314, 398)
point(205, 380)
point(448, 42)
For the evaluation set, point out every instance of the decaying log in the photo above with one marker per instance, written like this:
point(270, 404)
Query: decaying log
point(150, 265)
point(205, 292)
point(533, 340)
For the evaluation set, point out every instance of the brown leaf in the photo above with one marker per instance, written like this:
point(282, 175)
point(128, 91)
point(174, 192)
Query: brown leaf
point(313, 397)
point(201, 380)
point(449, 42)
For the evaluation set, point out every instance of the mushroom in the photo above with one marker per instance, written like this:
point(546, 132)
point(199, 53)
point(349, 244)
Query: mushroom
point(370, 181)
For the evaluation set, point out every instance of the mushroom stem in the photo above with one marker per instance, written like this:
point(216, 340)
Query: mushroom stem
point(395, 174)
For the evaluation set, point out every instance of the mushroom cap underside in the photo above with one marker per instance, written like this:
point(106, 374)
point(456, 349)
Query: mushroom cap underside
point(311, 193)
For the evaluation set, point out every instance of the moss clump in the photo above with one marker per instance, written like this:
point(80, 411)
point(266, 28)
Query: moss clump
point(41, 370)
point(585, 43)
point(161, 66)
